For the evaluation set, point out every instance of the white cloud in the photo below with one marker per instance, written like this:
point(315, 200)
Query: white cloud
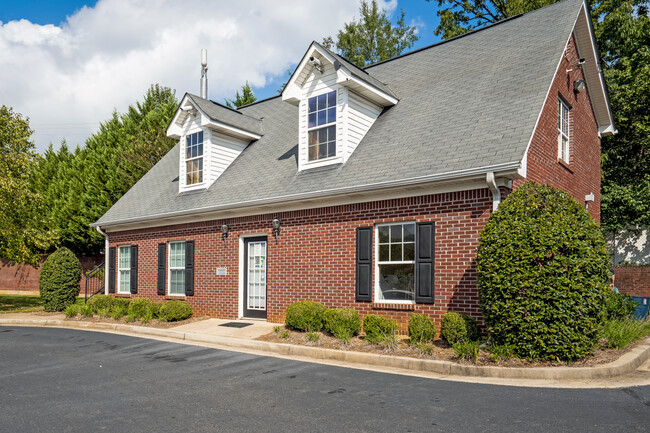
point(68, 78)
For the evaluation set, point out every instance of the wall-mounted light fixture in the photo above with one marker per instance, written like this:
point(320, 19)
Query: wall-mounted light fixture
point(276, 227)
point(589, 198)
point(579, 86)
point(224, 232)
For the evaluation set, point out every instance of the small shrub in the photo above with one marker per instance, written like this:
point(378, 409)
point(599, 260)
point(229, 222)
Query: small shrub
point(424, 348)
point(139, 306)
point(147, 316)
point(342, 323)
point(277, 329)
point(503, 351)
point(622, 332)
point(129, 318)
point(619, 305)
point(172, 311)
point(313, 337)
point(120, 303)
point(456, 327)
point(58, 283)
point(283, 334)
point(379, 329)
point(86, 311)
point(466, 349)
point(71, 311)
point(118, 311)
point(421, 328)
point(99, 302)
point(305, 316)
point(104, 312)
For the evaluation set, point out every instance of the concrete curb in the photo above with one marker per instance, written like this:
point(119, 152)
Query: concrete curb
point(626, 364)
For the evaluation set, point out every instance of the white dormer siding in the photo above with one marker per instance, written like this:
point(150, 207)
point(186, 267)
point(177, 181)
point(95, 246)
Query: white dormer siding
point(361, 116)
point(223, 151)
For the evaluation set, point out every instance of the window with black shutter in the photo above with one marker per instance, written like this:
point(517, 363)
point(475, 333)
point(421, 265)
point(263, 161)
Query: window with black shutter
point(134, 270)
point(111, 270)
point(364, 264)
point(162, 268)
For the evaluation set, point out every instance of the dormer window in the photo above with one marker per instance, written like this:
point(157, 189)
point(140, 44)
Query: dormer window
point(194, 158)
point(321, 126)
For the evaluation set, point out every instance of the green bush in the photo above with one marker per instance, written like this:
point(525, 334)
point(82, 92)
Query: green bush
point(543, 273)
point(172, 311)
point(120, 303)
point(622, 332)
point(100, 302)
point(379, 329)
point(59, 280)
point(466, 349)
point(619, 305)
point(118, 310)
point(139, 306)
point(343, 323)
point(129, 318)
point(501, 352)
point(421, 328)
point(305, 316)
point(71, 310)
point(86, 311)
point(457, 327)
point(147, 317)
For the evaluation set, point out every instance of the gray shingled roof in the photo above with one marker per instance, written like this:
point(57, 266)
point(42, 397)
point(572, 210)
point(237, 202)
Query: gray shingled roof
point(465, 104)
point(229, 116)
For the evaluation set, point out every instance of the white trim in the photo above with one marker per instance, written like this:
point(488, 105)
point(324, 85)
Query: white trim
point(240, 298)
point(377, 262)
point(562, 135)
point(118, 270)
point(169, 268)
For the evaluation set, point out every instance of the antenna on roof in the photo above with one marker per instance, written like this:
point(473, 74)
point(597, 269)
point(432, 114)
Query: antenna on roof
point(204, 73)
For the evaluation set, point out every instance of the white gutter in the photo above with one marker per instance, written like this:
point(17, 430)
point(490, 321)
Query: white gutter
point(99, 229)
point(496, 193)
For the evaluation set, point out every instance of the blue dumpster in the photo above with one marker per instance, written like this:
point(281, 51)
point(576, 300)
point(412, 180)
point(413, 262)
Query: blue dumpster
point(641, 311)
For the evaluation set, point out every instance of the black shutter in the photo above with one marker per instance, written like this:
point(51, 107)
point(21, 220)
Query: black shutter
point(189, 268)
point(424, 263)
point(363, 291)
point(162, 269)
point(134, 269)
point(111, 270)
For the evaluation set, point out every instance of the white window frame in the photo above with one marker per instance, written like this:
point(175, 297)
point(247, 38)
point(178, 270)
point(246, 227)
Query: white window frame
point(120, 270)
point(170, 269)
point(563, 137)
point(196, 158)
point(377, 294)
point(324, 126)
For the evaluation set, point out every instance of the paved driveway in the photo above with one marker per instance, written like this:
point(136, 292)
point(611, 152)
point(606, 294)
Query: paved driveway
point(61, 380)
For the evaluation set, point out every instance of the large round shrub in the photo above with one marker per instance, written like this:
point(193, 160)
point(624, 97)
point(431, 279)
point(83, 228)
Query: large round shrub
point(59, 280)
point(458, 327)
point(174, 310)
point(305, 316)
point(543, 272)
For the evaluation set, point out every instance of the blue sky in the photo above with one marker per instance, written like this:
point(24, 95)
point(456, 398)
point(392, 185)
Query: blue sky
point(102, 58)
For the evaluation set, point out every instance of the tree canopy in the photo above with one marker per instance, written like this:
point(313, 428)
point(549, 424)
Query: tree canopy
point(246, 97)
point(373, 38)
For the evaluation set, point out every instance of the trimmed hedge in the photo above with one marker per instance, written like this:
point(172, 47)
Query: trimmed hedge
point(543, 274)
point(58, 283)
point(457, 327)
point(100, 302)
point(174, 310)
point(343, 323)
point(138, 307)
point(305, 316)
point(378, 328)
point(421, 328)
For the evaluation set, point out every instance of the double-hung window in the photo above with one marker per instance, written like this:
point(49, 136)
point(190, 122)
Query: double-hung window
point(124, 269)
point(563, 131)
point(321, 126)
point(396, 262)
point(177, 268)
point(194, 158)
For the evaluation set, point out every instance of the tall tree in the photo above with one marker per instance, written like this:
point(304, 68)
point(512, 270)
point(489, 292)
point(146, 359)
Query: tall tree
point(373, 38)
point(22, 235)
point(246, 97)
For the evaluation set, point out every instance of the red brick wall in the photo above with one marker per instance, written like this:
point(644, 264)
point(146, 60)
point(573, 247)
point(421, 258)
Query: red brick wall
point(582, 175)
point(314, 256)
point(633, 280)
point(24, 278)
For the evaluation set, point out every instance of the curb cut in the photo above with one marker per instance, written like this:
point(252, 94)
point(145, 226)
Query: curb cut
point(626, 364)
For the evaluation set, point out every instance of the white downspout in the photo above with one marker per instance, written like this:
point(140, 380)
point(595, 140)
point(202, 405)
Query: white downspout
point(496, 193)
point(99, 229)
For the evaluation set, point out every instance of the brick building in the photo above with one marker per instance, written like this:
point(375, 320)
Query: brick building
point(364, 188)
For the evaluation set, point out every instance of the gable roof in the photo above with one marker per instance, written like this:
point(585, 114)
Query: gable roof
point(467, 106)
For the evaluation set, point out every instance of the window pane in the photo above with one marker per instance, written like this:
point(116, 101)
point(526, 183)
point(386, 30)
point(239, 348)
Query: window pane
point(322, 102)
point(312, 120)
point(396, 282)
point(125, 258)
point(383, 233)
point(409, 251)
point(125, 281)
point(322, 117)
point(177, 282)
point(384, 255)
point(331, 149)
point(331, 115)
point(331, 98)
point(312, 104)
point(322, 151)
point(396, 233)
point(396, 253)
point(313, 153)
point(409, 232)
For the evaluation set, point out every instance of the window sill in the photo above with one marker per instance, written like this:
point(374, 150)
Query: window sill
point(392, 306)
point(122, 295)
point(170, 297)
point(565, 164)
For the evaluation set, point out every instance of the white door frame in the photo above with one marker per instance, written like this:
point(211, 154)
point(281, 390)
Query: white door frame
point(241, 300)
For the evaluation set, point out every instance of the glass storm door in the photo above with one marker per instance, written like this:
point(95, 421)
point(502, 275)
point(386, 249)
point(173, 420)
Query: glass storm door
point(255, 277)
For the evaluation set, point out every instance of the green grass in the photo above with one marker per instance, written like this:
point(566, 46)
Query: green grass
point(622, 332)
point(24, 303)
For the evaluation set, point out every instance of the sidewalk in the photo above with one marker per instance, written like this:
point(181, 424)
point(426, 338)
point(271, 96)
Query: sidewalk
point(631, 369)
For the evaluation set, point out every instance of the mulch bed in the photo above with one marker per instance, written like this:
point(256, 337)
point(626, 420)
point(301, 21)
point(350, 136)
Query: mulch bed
point(152, 324)
point(441, 351)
